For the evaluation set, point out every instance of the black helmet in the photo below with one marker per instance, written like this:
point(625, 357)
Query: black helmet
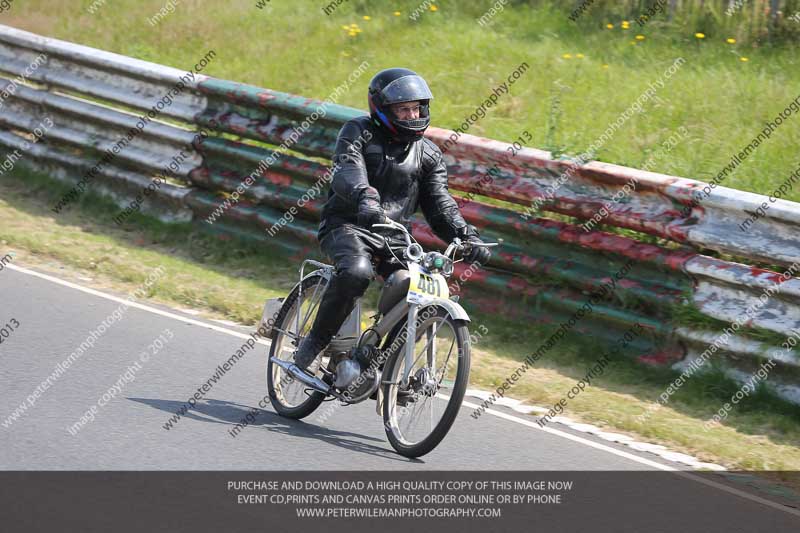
point(393, 86)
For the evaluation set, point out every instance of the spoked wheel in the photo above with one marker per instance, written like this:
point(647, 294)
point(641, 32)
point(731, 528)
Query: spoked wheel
point(290, 397)
point(419, 411)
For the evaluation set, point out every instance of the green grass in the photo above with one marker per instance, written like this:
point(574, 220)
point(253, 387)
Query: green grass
point(295, 47)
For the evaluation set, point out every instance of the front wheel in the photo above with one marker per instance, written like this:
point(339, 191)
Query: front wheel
point(288, 396)
point(422, 396)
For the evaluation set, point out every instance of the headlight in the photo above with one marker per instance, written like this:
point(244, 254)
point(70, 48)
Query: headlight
point(414, 252)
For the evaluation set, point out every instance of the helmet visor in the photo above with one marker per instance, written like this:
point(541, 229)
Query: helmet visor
point(406, 89)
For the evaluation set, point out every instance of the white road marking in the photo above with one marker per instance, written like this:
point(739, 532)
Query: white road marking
point(504, 416)
point(635, 458)
point(570, 436)
point(135, 305)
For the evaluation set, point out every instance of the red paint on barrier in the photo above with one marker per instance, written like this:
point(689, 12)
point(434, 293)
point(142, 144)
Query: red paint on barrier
point(664, 357)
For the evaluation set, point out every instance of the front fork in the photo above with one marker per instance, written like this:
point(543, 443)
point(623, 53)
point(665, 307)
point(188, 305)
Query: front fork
point(413, 311)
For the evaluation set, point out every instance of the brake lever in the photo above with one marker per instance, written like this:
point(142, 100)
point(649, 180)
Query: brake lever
point(470, 244)
point(466, 246)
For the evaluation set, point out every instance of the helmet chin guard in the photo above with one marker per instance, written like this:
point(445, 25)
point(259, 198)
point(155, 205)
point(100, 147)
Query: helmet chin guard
point(394, 86)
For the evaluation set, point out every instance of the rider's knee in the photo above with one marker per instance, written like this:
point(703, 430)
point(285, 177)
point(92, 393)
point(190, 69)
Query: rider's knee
point(356, 273)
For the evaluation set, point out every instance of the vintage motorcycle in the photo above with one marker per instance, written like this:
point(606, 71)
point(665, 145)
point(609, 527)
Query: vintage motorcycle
point(418, 385)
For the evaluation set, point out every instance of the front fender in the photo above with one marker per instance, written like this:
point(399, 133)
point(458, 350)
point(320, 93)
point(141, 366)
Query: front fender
point(454, 309)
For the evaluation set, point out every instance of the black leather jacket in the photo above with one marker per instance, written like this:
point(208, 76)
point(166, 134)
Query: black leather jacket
point(406, 175)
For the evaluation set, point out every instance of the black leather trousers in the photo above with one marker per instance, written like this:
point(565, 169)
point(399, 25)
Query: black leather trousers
point(358, 255)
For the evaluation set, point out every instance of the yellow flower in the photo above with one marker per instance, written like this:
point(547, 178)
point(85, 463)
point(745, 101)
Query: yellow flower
point(605, 66)
point(346, 28)
point(434, 8)
point(610, 26)
point(366, 17)
point(567, 56)
point(743, 59)
point(579, 56)
point(352, 33)
point(625, 22)
point(354, 25)
point(640, 37)
point(633, 43)
point(700, 35)
point(730, 40)
point(345, 54)
point(625, 25)
point(396, 13)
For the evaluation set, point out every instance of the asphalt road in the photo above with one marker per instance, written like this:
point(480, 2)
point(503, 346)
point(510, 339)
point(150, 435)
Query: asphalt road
point(128, 432)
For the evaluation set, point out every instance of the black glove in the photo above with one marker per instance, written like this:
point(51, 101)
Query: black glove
point(476, 254)
point(369, 208)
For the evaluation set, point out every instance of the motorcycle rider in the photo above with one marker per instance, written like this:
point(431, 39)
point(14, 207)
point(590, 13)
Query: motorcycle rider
point(393, 173)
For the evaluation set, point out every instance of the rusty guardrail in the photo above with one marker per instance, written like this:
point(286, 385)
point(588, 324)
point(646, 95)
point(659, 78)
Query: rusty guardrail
point(545, 271)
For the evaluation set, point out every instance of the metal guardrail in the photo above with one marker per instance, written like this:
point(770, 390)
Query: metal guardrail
point(544, 272)
point(656, 207)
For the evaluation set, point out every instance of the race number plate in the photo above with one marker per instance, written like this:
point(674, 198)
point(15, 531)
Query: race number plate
point(425, 287)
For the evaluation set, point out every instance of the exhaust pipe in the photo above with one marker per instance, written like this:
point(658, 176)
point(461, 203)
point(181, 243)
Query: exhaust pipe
point(312, 381)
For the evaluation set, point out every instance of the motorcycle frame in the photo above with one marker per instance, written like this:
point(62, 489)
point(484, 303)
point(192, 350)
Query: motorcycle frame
point(387, 322)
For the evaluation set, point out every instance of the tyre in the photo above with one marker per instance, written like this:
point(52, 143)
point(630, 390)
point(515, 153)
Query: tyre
point(289, 397)
point(418, 414)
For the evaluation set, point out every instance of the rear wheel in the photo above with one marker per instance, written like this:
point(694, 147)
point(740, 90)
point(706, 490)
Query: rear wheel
point(419, 410)
point(290, 397)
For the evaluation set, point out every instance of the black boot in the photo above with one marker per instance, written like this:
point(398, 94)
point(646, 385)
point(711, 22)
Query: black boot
point(309, 349)
point(346, 286)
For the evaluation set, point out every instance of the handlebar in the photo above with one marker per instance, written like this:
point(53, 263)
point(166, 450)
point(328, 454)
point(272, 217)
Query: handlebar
point(456, 245)
point(391, 224)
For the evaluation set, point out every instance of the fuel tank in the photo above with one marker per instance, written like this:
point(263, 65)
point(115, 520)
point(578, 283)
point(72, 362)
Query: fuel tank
point(394, 290)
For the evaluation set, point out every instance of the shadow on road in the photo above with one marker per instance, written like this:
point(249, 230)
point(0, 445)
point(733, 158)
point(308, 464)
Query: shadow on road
point(230, 413)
